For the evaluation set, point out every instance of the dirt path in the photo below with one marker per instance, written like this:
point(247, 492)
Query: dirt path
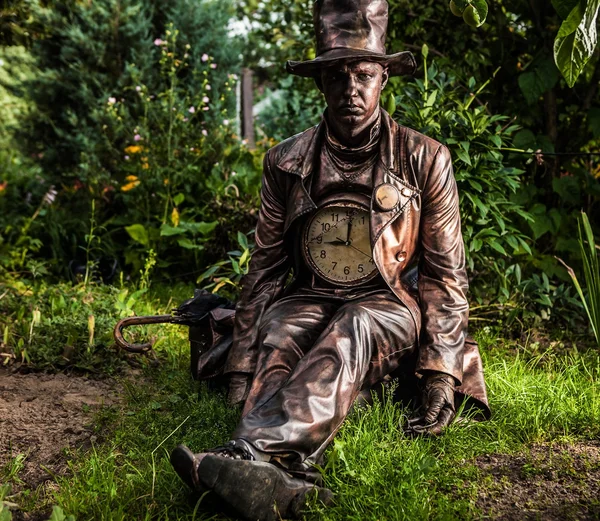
point(552, 482)
point(41, 415)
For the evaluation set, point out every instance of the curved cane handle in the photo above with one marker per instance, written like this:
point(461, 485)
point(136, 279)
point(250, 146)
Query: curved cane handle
point(137, 321)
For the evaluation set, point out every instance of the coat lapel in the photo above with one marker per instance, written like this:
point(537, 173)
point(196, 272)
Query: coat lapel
point(391, 169)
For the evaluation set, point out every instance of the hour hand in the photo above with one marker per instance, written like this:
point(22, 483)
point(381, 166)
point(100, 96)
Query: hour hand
point(337, 240)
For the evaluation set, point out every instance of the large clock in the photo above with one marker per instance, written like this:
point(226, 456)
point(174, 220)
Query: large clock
point(337, 245)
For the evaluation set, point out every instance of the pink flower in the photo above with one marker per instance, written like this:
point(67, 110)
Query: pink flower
point(205, 99)
point(213, 65)
point(225, 122)
point(137, 137)
point(185, 119)
point(192, 149)
point(204, 132)
point(204, 108)
point(233, 173)
point(191, 110)
point(126, 158)
point(138, 88)
point(204, 57)
point(112, 101)
point(158, 42)
point(208, 87)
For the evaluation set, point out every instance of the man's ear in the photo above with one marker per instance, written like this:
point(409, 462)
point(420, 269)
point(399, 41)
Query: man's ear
point(384, 78)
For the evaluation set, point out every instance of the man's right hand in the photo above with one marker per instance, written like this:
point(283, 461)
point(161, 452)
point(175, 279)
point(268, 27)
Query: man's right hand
point(239, 387)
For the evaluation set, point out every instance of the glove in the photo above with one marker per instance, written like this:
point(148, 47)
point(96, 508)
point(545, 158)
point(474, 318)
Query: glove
point(438, 405)
point(239, 387)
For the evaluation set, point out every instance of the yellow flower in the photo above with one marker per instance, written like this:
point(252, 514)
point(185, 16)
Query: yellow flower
point(134, 149)
point(132, 182)
point(175, 217)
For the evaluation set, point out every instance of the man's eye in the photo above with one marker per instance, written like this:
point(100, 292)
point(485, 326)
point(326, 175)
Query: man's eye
point(364, 77)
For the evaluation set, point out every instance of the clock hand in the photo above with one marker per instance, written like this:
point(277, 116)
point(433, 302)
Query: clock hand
point(348, 242)
point(358, 250)
point(337, 241)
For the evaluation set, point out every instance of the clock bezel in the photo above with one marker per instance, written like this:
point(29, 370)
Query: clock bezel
point(313, 265)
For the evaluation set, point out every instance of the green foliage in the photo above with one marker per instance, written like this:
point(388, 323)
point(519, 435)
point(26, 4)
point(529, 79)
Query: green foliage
point(591, 272)
point(494, 243)
point(576, 39)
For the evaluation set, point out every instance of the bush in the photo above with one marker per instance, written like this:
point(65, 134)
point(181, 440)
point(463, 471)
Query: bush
point(494, 243)
point(134, 108)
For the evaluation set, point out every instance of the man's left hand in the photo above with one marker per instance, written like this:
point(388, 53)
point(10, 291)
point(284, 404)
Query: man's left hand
point(438, 405)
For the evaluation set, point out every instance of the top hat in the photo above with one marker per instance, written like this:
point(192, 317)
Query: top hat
point(352, 30)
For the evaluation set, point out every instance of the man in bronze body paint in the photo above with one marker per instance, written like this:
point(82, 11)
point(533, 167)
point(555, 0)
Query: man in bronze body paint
point(360, 190)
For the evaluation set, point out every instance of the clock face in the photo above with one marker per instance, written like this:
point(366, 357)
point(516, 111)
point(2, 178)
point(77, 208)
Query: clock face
point(337, 244)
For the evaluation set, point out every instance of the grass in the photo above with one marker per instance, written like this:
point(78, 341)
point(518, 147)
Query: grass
point(375, 471)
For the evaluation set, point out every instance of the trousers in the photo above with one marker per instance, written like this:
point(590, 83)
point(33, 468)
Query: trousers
point(316, 353)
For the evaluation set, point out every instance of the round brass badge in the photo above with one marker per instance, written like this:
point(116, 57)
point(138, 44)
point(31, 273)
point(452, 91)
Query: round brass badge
point(387, 197)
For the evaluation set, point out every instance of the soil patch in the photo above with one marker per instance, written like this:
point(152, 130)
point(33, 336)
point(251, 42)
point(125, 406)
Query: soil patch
point(551, 482)
point(41, 415)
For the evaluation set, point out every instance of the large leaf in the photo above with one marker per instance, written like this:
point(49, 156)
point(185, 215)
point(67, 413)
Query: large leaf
point(564, 7)
point(536, 82)
point(138, 233)
point(576, 40)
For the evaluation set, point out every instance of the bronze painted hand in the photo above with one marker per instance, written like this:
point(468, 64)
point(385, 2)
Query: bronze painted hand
point(438, 405)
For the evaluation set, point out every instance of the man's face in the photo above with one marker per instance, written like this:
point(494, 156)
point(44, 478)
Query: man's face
point(352, 93)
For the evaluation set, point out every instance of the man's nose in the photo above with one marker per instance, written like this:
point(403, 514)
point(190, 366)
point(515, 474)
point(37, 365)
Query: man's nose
point(350, 90)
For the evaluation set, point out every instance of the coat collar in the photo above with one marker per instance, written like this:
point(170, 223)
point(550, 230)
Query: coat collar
point(300, 158)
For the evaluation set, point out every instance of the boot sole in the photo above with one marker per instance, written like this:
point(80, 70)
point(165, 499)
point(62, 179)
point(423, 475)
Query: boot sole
point(257, 490)
point(185, 463)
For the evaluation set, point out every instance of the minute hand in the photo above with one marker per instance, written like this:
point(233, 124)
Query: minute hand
point(360, 251)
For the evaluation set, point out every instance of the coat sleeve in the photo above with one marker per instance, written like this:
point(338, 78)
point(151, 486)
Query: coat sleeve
point(266, 277)
point(443, 282)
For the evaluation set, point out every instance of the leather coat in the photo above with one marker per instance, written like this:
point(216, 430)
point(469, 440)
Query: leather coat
point(423, 231)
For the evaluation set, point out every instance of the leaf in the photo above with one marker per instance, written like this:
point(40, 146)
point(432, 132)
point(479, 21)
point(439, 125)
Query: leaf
point(59, 515)
point(138, 233)
point(189, 245)
point(525, 140)
point(464, 156)
point(202, 228)
point(390, 104)
point(498, 247)
point(576, 40)
point(242, 240)
point(541, 79)
point(178, 199)
point(568, 188)
point(166, 230)
point(564, 7)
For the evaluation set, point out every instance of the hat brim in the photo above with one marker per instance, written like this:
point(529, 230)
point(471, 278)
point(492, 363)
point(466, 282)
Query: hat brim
point(399, 64)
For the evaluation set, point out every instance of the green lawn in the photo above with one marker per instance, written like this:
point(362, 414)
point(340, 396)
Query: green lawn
point(537, 395)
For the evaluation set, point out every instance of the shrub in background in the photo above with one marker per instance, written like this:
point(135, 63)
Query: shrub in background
point(134, 108)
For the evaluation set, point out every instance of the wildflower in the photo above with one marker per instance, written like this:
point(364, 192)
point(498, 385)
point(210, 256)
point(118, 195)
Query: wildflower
point(191, 110)
point(185, 120)
point(137, 137)
point(112, 101)
point(138, 88)
point(3, 186)
point(134, 149)
point(225, 122)
point(158, 42)
point(192, 149)
point(165, 182)
point(188, 46)
point(213, 65)
point(205, 108)
point(208, 87)
point(204, 57)
point(205, 99)
point(233, 172)
point(132, 182)
point(126, 158)
point(50, 196)
point(204, 132)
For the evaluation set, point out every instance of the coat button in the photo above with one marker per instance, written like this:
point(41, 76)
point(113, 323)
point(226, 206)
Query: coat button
point(406, 192)
point(401, 256)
